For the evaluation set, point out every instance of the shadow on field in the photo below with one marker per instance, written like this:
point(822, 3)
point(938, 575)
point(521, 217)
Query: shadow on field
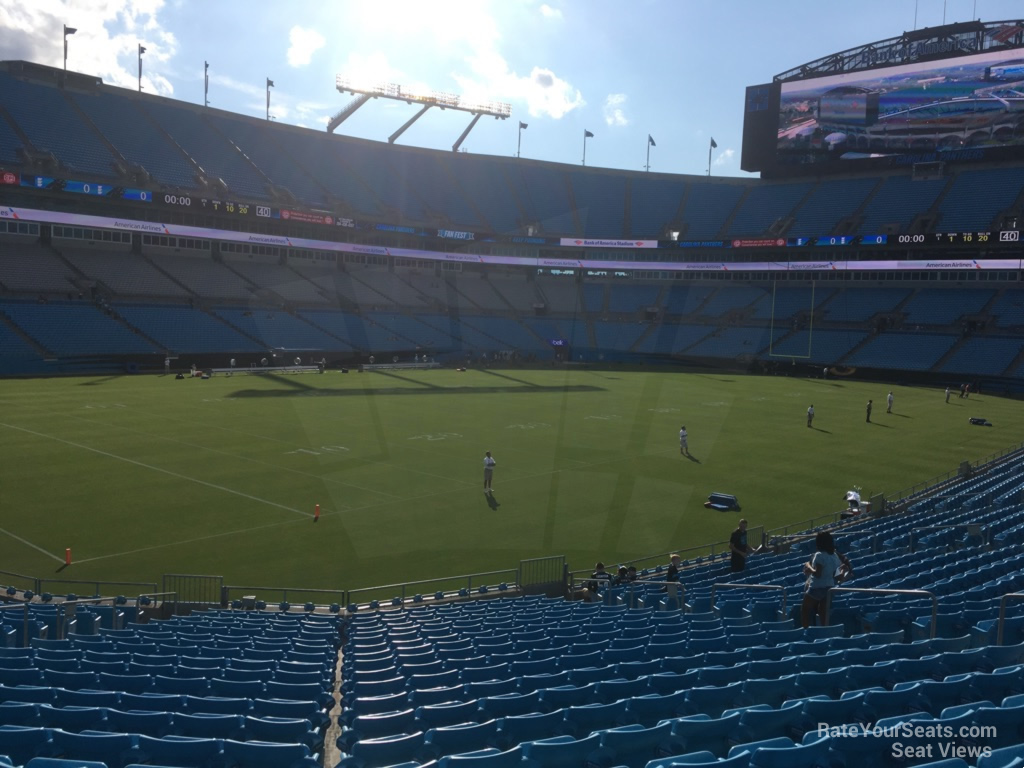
point(393, 375)
point(692, 458)
point(97, 382)
point(826, 383)
point(360, 392)
point(901, 415)
point(62, 567)
point(506, 376)
point(879, 424)
point(715, 378)
point(819, 429)
point(491, 501)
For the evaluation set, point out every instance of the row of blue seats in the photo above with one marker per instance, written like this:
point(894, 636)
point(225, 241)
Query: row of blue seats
point(195, 682)
point(223, 649)
point(314, 710)
point(668, 695)
point(116, 750)
point(574, 739)
point(159, 724)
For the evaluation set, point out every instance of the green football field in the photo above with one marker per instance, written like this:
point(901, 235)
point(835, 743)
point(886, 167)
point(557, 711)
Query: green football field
point(142, 476)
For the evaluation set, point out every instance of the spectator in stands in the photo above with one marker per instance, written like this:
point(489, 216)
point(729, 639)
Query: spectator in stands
point(621, 577)
point(739, 548)
point(810, 414)
point(599, 579)
point(489, 464)
point(631, 574)
point(888, 402)
point(684, 447)
point(823, 571)
point(868, 419)
point(672, 574)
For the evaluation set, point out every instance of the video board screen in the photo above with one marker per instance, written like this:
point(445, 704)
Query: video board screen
point(965, 108)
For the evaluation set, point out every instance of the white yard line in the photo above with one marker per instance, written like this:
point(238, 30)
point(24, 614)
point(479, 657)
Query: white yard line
point(159, 469)
point(30, 544)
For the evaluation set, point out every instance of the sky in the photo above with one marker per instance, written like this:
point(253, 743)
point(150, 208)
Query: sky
point(624, 70)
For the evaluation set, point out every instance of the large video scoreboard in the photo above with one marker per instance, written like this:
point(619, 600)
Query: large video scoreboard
point(951, 94)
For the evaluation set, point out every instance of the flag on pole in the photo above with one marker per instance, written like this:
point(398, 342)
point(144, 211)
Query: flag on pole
point(587, 134)
point(270, 84)
point(523, 126)
point(142, 49)
point(650, 140)
point(714, 144)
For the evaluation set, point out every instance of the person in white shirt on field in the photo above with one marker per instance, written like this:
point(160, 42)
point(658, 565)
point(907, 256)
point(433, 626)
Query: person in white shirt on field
point(489, 464)
point(888, 402)
point(810, 415)
point(684, 449)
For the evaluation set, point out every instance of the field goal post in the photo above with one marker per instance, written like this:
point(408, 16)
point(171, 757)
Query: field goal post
point(544, 576)
point(810, 327)
point(195, 591)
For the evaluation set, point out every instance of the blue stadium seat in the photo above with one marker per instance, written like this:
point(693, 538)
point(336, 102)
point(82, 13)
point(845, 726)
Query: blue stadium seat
point(455, 739)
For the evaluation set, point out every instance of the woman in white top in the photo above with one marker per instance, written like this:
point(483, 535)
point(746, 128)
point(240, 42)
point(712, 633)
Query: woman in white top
point(821, 572)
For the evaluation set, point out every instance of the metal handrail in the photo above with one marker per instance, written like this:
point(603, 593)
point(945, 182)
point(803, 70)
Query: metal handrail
point(913, 540)
point(33, 579)
point(871, 591)
point(729, 585)
point(873, 535)
point(1002, 613)
point(141, 608)
point(722, 548)
point(227, 588)
point(96, 584)
point(403, 588)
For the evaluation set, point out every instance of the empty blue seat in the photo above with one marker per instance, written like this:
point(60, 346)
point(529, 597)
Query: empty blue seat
point(455, 739)
point(634, 745)
point(70, 718)
point(281, 729)
point(178, 750)
point(207, 725)
point(389, 750)
point(560, 751)
point(698, 733)
point(510, 704)
point(258, 754)
point(581, 720)
point(449, 713)
point(516, 729)
point(568, 696)
point(214, 705)
point(114, 749)
point(22, 744)
point(809, 754)
point(485, 758)
point(19, 713)
point(763, 722)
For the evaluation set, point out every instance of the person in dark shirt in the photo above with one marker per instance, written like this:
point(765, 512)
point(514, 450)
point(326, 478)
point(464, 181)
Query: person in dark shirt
point(739, 548)
point(599, 579)
point(672, 574)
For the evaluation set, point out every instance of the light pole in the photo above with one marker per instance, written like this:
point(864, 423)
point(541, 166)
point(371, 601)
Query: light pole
point(586, 135)
point(206, 83)
point(270, 84)
point(650, 143)
point(714, 145)
point(142, 50)
point(522, 127)
point(67, 31)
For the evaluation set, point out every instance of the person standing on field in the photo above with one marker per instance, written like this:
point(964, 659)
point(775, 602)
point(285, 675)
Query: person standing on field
point(810, 415)
point(489, 464)
point(868, 419)
point(684, 448)
point(947, 394)
point(888, 402)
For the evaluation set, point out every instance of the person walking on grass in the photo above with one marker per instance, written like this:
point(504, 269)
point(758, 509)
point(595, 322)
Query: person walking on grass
point(489, 464)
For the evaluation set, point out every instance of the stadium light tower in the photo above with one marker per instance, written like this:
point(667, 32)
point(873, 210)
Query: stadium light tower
point(67, 31)
point(206, 83)
point(496, 109)
point(270, 84)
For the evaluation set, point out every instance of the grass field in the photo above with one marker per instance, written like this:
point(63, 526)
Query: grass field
point(143, 476)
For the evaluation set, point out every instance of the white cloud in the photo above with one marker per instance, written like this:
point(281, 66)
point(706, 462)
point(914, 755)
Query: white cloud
point(550, 13)
point(724, 157)
point(105, 44)
point(466, 32)
point(613, 112)
point(304, 43)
